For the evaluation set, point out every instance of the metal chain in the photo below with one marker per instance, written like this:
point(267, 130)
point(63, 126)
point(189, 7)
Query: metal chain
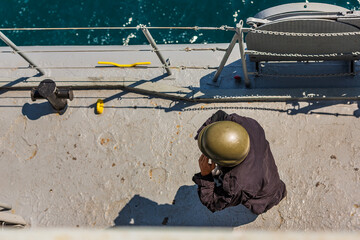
point(306, 76)
point(251, 52)
point(234, 107)
point(297, 55)
point(293, 34)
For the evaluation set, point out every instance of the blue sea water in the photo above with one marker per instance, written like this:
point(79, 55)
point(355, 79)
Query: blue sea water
point(115, 13)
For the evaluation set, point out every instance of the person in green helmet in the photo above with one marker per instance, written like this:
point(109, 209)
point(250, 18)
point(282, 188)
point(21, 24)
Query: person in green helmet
point(236, 165)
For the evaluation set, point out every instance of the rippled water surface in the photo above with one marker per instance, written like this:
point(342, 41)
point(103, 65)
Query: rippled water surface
point(110, 13)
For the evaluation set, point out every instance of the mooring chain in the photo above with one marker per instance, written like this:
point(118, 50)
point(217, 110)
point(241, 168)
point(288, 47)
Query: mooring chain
point(238, 108)
point(251, 52)
point(293, 34)
point(306, 76)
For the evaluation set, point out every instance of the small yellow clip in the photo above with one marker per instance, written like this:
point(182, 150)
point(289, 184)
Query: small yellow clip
point(125, 65)
point(99, 106)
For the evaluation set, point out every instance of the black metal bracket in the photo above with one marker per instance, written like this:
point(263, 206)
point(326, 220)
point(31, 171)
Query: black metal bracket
point(57, 97)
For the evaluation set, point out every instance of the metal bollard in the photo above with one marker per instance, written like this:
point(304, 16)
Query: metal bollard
point(57, 97)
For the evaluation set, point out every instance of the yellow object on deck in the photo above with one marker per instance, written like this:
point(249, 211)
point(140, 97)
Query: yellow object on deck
point(125, 65)
point(99, 106)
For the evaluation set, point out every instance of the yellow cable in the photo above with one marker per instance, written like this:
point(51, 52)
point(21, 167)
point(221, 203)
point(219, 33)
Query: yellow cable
point(125, 65)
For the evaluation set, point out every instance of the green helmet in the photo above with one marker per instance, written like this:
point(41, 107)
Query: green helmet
point(227, 143)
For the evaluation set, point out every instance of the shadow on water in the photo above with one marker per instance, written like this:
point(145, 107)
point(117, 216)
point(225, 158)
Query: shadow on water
point(186, 210)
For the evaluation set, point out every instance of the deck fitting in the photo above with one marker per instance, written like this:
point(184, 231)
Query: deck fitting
point(57, 97)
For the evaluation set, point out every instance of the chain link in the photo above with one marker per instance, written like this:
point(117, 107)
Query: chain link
point(299, 55)
point(235, 107)
point(293, 34)
point(258, 53)
point(306, 76)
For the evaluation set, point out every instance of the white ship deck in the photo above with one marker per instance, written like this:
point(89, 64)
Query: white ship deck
point(133, 164)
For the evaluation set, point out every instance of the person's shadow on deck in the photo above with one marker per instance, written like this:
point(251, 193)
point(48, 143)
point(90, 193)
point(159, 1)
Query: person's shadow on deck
point(186, 210)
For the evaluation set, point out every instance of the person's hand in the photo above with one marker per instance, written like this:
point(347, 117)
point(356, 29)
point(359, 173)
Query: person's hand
point(205, 167)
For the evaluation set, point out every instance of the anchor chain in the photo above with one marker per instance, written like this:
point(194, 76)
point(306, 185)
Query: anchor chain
point(293, 34)
point(306, 76)
point(251, 52)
